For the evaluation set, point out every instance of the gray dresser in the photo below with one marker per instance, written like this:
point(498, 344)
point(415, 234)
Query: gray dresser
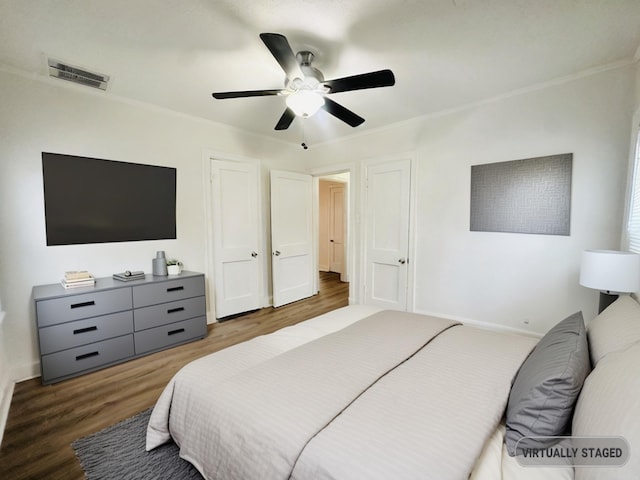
point(85, 329)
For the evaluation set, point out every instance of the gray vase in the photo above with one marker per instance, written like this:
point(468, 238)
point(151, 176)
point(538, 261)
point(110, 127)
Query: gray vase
point(159, 264)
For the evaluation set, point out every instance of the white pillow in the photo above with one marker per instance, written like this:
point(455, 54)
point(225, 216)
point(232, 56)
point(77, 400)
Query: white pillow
point(616, 328)
point(609, 405)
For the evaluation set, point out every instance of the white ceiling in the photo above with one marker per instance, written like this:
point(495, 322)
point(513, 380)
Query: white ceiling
point(444, 53)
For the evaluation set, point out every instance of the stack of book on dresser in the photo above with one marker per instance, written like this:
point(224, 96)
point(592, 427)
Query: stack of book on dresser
point(80, 278)
point(129, 276)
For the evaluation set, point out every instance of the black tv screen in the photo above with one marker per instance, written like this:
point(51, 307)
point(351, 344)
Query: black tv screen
point(89, 200)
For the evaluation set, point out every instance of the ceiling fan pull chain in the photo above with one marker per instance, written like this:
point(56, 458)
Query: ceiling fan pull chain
point(304, 142)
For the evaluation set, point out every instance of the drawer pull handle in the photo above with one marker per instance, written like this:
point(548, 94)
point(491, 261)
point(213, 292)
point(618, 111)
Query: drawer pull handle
point(83, 304)
point(175, 289)
point(174, 310)
point(87, 355)
point(173, 332)
point(85, 330)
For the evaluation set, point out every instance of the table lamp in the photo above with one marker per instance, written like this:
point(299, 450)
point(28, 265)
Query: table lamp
point(610, 271)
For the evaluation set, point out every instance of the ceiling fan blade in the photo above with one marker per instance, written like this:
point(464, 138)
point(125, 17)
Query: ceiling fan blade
point(279, 47)
point(285, 120)
point(246, 93)
point(342, 113)
point(381, 78)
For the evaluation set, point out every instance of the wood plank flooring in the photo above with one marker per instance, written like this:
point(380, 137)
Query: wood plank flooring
point(44, 420)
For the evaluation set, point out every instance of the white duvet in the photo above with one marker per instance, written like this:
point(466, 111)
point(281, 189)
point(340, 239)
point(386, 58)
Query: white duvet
point(395, 395)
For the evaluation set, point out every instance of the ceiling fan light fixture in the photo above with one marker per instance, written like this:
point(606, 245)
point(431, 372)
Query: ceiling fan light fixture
point(305, 89)
point(305, 103)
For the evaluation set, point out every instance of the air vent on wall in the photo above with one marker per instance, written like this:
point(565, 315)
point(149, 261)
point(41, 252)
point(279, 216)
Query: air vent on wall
point(77, 75)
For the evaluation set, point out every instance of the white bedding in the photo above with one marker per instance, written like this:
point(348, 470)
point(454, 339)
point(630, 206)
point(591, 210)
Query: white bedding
point(214, 368)
point(496, 464)
point(436, 420)
point(268, 409)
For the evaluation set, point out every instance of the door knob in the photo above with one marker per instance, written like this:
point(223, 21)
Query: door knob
point(277, 253)
point(402, 261)
point(254, 254)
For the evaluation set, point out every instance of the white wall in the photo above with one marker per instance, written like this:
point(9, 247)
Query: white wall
point(38, 116)
point(500, 278)
point(637, 89)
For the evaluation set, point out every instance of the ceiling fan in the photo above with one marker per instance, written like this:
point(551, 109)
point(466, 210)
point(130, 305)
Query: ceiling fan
point(306, 88)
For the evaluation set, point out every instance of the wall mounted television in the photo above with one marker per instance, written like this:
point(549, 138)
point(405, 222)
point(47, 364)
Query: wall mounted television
point(89, 200)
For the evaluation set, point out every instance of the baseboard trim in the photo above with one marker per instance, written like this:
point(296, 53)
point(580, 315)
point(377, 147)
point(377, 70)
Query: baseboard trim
point(5, 403)
point(484, 325)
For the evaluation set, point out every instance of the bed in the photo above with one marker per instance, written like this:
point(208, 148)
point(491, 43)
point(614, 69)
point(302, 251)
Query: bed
point(367, 393)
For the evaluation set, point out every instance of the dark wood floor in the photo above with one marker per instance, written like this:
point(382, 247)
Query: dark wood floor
point(44, 420)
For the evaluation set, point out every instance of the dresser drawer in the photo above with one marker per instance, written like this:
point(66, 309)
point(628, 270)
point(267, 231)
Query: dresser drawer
point(144, 295)
point(86, 357)
point(81, 332)
point(74, 307)
point(166, 335)
point(156, 315)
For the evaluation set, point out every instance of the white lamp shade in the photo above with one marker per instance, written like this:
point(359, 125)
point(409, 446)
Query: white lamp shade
point(305, 103)
point(610, 271)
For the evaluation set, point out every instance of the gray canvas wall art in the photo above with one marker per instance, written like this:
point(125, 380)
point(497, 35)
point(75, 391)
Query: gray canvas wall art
point(532, 195)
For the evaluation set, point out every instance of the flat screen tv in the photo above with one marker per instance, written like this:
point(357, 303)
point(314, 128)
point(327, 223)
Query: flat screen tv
point(89, 200)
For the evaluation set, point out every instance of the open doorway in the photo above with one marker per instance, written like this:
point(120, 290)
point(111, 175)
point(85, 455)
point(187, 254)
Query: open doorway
point(333, 205)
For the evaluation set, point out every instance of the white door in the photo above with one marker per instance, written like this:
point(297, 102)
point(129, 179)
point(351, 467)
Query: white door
point(236, 232)
point(336, 228)
point(291, 237)
point(387, 233)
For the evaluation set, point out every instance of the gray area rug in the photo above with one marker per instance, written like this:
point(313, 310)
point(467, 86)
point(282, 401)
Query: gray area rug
point(117, 453)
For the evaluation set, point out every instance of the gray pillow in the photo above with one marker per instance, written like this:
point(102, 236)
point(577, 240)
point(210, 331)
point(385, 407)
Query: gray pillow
point(547, 385)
